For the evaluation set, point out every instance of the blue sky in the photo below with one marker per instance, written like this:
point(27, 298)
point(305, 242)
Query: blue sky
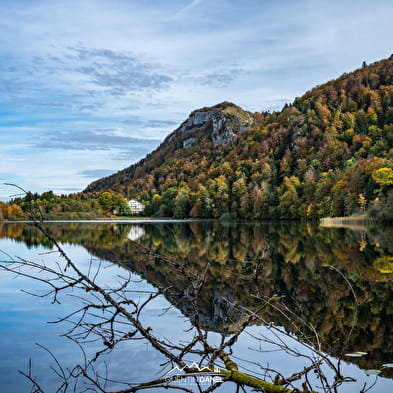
point(89, 87)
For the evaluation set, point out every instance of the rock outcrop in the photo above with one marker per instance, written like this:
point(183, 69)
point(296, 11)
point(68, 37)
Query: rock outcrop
point(221, 122)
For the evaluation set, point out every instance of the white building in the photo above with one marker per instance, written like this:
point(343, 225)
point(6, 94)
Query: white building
point(136, 206)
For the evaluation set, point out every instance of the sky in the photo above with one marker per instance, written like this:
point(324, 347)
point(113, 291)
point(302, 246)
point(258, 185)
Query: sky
point(89, 87)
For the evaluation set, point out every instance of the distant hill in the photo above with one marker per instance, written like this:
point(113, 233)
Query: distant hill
point(329, 153)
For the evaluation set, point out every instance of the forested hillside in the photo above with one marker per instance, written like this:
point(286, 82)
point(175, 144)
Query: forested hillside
point(329, 153)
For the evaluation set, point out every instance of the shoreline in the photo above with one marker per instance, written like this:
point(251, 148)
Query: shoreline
point(103, 220)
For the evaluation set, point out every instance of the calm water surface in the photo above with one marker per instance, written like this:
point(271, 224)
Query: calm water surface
point(338, 280)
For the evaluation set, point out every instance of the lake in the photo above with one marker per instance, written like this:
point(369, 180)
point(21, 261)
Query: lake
point(300, 294)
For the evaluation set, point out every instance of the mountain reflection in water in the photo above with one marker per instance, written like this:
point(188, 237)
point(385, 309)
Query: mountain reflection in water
point(309, 266)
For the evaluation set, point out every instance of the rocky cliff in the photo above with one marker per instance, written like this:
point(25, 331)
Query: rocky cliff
point(221, 122)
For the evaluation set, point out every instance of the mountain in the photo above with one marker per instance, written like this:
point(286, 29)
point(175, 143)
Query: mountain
point(329, 153)
point(215, 125)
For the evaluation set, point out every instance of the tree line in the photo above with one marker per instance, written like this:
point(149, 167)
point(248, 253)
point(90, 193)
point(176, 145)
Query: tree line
point(76, 206)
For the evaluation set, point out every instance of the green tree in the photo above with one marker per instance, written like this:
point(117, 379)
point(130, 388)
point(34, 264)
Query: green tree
point(168, 200)
point(289, 200)
point(182, 204)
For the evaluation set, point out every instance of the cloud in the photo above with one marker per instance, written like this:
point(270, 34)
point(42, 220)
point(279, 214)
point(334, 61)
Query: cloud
point(150, 124)
point(220, 77)
point(95, 173)
point(189, 7)
point(131, 156)
point(160, 123)
point(81, 79)
point(102, 139)
point(64, 190)
point(121, 72)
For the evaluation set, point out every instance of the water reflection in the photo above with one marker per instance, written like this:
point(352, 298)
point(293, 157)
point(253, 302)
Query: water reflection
point(318, 270)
